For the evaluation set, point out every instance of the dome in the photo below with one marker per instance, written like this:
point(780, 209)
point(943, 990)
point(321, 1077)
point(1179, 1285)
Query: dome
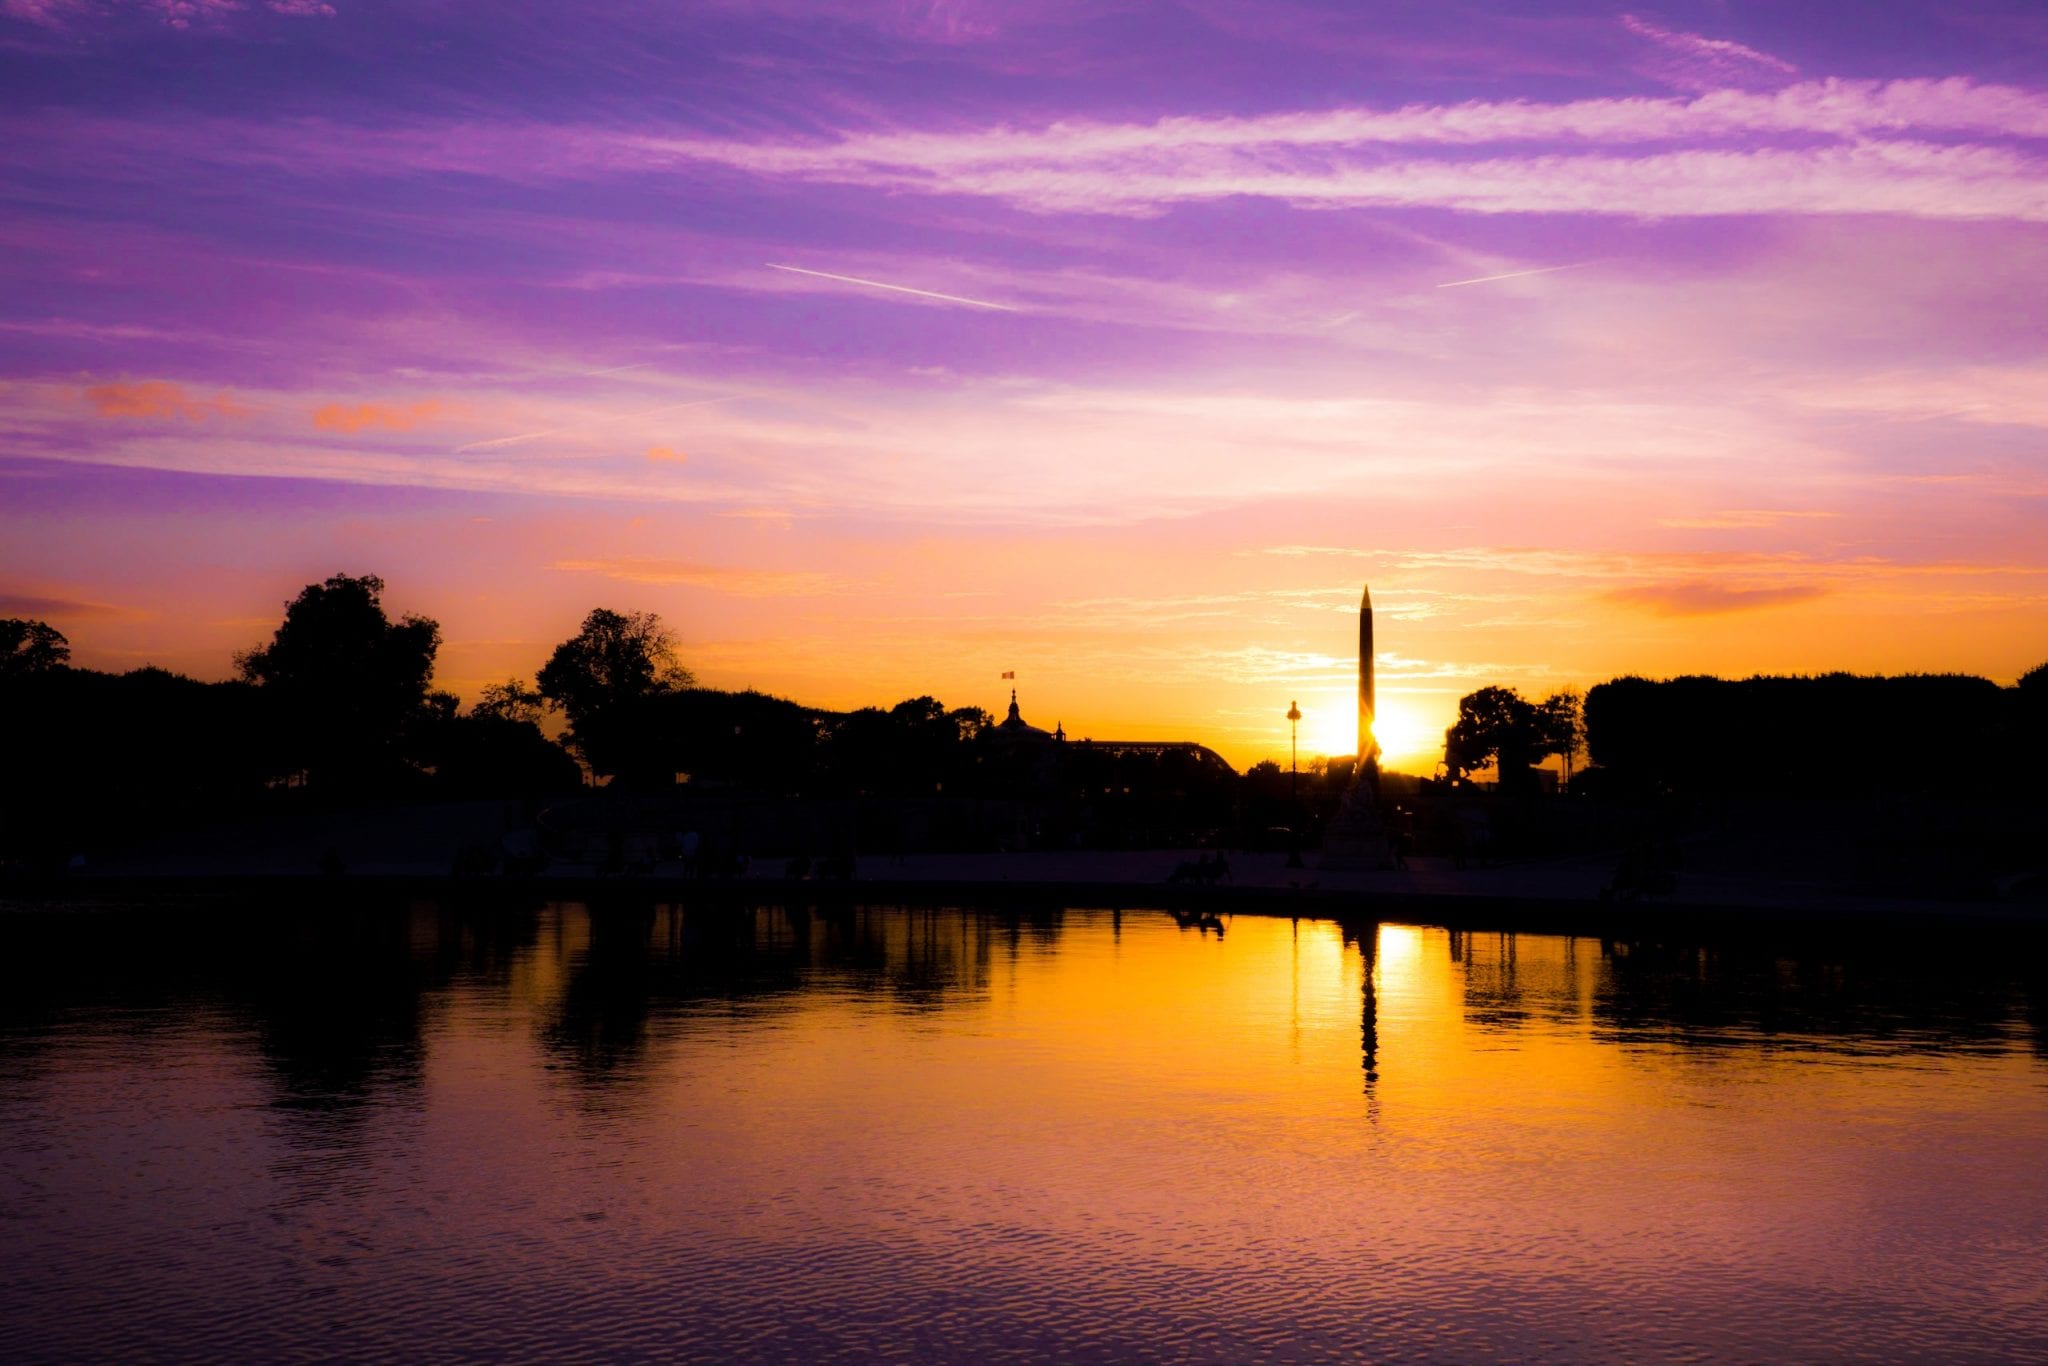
point(1013, 729)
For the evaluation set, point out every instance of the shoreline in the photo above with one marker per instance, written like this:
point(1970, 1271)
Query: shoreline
point(1527, 912)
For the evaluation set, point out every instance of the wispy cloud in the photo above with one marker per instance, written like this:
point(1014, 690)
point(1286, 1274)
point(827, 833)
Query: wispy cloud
point(1692, 62)
point(1946, 148)
point(750, 583)
point(177, 14)
point(1512, 275)
point(1704, 598)
point(59, 608)
point(339, 417)
point(157, 399)
point(594, 421)
point(895, 289)
point(1914, 179)
point(1884, 147)
point(1744, 519)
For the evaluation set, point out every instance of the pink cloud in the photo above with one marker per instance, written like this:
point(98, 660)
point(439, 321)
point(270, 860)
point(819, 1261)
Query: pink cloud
point(47, 13)
point(1702, 598)
point(1829, 108)
point(181, 13)
point(1884, 147)
point(1922, 148)
point(63, 609)
point(158, 398)
point(1692, 62)
point(752, 583)
point(178, 14)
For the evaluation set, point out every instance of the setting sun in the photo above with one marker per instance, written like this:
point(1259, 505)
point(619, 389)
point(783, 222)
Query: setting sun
point(1407, 741)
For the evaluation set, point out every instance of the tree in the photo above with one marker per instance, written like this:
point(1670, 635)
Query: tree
point(599, 676)
point(344, 680)
point(1561, 723)
point(30, 647)
point(511, 700)
point(2030, 720)
point(1497, 727)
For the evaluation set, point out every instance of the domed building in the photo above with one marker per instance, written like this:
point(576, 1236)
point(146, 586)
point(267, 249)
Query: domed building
point(1015, 730)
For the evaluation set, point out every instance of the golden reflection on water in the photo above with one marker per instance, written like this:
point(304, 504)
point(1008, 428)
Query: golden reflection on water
point(635, 1130)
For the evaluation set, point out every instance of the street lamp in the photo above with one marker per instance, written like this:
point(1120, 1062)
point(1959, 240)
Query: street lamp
point(1294, 750)
point(1293, 784)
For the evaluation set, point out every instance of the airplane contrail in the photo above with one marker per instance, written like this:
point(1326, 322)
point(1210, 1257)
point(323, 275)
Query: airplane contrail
point(1515, 275)
point(498, 441)
point(615, 369)
point(900, 289)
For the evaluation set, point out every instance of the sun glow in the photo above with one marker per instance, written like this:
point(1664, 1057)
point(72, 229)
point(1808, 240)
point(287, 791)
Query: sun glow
point(1406, 739)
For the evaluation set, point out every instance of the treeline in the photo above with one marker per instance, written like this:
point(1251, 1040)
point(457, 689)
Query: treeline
point(339, 707)
point(1832, 733)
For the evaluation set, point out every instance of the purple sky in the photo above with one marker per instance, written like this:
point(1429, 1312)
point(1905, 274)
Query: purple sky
point(884, 347)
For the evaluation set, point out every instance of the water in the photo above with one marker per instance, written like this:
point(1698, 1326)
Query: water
point(558, 1133)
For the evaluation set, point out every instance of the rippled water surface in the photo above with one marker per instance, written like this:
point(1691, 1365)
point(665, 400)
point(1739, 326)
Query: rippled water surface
point(559, 1132)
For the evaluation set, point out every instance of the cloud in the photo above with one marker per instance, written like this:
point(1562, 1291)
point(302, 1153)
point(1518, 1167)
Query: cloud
point(1743, 519)
point(37, 605)
point(779, 519)
point(158, 398)
point(337, 417)
point(747, 583)
point(667, 454)
point(181, 13)
point(178, 14)
point(1691, 62)
point(521, 438)
point(896, 289)
point(46, 13)
point(1703, 598)
point(1852, 147)
point(1514, 275)
point(1943, 149)
point(1826, 108)
point(1913, 179)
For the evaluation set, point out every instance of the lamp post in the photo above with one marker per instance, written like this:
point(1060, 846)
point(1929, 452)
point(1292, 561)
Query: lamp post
point(1293, 784)
point(1294, 750)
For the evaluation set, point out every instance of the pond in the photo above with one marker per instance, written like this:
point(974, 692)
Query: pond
point(633, 1131)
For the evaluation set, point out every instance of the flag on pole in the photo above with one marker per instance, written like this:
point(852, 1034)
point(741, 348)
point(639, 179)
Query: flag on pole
point(1009, 673)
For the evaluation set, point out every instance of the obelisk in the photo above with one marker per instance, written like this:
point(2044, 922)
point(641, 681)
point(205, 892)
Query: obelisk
point(1355, 838)
point(1368, 742)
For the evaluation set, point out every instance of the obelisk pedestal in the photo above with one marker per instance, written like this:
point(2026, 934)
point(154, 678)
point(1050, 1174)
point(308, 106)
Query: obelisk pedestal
point(1356, 837)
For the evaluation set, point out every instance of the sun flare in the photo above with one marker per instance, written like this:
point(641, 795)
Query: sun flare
point(1406, 739)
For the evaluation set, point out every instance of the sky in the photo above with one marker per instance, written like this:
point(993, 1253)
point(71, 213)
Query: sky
point(883, 348)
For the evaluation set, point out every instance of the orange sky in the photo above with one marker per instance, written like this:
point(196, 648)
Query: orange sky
point(1598, 346)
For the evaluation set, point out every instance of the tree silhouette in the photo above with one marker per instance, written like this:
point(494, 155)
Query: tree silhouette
point(511, 700)
point(1495, 726)
point(1836, 733)
point(343, 680)
point(30, 647)
point(484, 755)
point(1561, 722)
point(599, 676)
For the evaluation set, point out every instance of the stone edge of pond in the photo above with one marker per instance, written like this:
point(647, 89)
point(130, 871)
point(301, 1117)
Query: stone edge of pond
point(1450, 910)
